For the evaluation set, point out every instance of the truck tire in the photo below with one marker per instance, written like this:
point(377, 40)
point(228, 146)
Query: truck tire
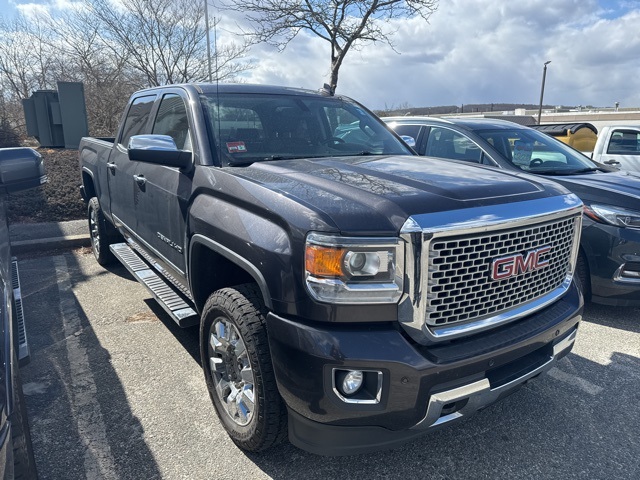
point(24, 464)
point(102, 233)
point(238, 369)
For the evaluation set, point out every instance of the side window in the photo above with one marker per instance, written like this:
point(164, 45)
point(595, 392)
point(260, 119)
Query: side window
point(137, 118)
point(445, 143)
point(172, 120)
point(411, 130)
point(624, 142)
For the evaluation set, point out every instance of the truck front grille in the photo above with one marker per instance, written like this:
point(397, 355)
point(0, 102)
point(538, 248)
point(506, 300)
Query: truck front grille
point(460, 284)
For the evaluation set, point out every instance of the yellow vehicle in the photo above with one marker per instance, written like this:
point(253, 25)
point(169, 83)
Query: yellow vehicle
point(581, 136)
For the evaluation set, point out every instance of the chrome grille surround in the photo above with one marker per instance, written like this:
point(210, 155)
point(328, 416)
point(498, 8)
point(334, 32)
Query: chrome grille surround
point(450, 292)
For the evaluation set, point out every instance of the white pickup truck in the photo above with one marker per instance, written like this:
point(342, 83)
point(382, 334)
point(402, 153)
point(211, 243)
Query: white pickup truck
point(618, 146)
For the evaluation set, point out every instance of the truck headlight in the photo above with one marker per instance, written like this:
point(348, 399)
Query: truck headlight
point(354, 270)
point(620, 217)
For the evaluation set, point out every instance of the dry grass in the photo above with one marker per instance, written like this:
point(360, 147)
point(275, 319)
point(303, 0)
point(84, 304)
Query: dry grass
point(56, 201)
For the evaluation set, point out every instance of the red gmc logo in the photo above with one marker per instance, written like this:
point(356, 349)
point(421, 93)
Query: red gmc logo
point(514, 265)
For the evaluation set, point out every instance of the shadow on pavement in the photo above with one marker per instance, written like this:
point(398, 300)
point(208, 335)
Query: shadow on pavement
point(622, 318)
point(70, 382)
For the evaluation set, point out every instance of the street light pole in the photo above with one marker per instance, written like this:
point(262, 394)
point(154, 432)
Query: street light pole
point(544, 76)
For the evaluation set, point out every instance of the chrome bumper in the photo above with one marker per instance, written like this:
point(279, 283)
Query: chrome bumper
point(480, 394)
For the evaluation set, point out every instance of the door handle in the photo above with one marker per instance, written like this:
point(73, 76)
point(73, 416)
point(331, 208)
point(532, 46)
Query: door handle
point(612, 162)
point(140, 180)
point(112, 167)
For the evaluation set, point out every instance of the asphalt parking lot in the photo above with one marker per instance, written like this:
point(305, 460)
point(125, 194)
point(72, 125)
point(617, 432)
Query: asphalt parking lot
point(115, 391)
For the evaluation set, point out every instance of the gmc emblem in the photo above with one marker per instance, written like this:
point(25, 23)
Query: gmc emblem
point(518, 264)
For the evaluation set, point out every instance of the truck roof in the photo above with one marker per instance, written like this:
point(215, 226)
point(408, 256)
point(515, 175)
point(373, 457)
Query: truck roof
point(246, 88)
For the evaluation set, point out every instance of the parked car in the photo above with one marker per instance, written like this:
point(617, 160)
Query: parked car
point(619, 146)
point(20, 169)
point(609, 260)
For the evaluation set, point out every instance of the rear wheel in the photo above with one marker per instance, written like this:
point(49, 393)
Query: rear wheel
point(238, 369)
point(102, 233)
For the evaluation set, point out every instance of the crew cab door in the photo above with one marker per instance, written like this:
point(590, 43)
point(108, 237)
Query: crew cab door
point(164, 191)
point(622, 149)
point(123, 189)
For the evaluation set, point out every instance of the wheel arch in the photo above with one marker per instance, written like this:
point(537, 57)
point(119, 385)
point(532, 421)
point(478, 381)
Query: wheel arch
point(213, 266)
point(88, 184)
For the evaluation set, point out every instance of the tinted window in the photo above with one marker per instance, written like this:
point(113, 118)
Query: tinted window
point(172, 120)
point(624, 142)
point(262, 127)
point(137, 118)
point(445, 143)
point(411, 130)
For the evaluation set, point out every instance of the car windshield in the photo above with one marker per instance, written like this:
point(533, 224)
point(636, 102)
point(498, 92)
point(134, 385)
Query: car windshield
point(252, 128)
point(536, 152)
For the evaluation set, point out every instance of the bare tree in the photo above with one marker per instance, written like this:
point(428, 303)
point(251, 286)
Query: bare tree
point(114, 47)
point(25, 59)
point(104, 70)
point(164, 39)
point(345, 24)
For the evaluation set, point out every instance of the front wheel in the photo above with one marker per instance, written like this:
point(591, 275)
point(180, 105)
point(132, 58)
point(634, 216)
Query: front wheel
point(238, 369)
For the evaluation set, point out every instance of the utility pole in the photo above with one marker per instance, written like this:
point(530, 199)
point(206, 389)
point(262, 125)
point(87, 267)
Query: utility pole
point(544, 76)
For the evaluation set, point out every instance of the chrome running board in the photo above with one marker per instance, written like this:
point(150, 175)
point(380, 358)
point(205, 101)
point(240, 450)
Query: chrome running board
point(164, 293)
point(23, 345)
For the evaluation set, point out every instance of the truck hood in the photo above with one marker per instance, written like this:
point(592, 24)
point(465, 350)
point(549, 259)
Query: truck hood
point(611, 188)
point(377, 194)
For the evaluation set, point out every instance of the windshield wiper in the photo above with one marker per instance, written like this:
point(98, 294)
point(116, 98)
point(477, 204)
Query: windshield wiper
point(363, 153)
point(563, 172)
point(590, 169)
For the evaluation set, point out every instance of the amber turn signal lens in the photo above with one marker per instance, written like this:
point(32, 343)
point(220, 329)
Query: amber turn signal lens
point(324, 261)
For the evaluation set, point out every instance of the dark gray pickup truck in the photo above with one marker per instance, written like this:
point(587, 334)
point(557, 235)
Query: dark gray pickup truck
point(349, 294)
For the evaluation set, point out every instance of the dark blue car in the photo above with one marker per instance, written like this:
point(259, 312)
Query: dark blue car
point(20, 169)
point(609, 260)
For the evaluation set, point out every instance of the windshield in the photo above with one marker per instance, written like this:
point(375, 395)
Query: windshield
point(536, 152)
point(252, 128)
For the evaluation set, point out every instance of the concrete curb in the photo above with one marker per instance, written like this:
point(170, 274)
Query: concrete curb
point(68, 241)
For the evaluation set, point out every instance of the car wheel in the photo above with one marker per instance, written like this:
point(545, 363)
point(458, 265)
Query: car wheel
point(102, 233)
point(238, 369)
point(582, 275)
point(24, 465)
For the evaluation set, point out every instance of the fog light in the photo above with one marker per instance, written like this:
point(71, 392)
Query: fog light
point(352, 382)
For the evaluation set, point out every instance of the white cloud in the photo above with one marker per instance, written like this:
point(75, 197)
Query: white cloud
point(482, 51)
point(471, 51)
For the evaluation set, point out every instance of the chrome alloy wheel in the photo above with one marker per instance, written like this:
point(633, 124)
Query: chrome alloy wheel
point(231, 371)
point(95, 231)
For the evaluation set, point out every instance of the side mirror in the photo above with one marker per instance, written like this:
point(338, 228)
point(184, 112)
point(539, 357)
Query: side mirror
point(409, 140)
point(158, 149)
point(20, 169)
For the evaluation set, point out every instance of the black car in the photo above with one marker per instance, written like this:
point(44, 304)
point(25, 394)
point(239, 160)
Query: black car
point(20, 169)
point(609, 261)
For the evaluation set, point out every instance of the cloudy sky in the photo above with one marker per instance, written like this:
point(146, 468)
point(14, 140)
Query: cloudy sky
point(475, 51)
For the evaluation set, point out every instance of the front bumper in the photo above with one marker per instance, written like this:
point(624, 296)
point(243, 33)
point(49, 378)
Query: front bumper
point(422, 388)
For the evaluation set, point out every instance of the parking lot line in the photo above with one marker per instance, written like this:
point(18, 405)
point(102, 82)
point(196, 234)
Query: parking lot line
point(98, 460)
